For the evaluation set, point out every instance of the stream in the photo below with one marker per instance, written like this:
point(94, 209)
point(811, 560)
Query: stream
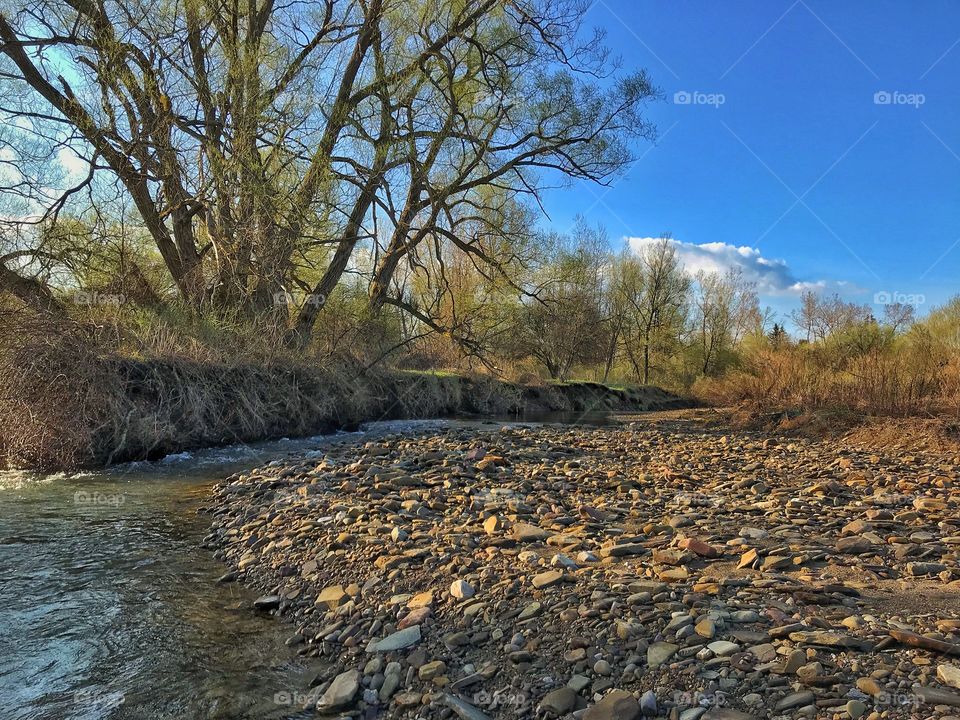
point(109, 606)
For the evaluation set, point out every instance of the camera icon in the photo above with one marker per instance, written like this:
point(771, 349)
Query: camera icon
point(682, 97)
point(882, 298)
point(882, 97)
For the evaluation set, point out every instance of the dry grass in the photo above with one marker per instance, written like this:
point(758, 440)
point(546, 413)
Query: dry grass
point(902, 382)
point(69, 399)
point(53, 392)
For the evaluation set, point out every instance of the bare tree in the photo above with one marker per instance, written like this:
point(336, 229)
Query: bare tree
point(898, 316)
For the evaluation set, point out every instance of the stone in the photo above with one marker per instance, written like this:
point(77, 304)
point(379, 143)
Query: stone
point(559, 702)
point(399, 640)
point(795, 660)
point(855, 709)
point(623, 550)
point(699, 547)
point(918, 569)
point(332, 597)
point(547, 579)
point(949, 675)
point(567, 539)
point(853, 545)
point(936, 696)
point(410, 699)
point(462, 590)
point(267, 602)
point(525, 532)
point(723, 648)
point(658, 653)
point(493, 525)
point(671, 556)
point(776, 562)
point(870, 686)
point(648, 703)
point(706, 628)
point(463, 709)
point(421, 600)
point(341, 692)
point(532, 609)
point(794, 700)
point(826, 638)
point(414, 617)
point(615, 705)
point(432, 669)
point(722, 713)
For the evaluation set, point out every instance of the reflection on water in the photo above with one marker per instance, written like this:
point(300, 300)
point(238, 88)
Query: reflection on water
point(109, 607)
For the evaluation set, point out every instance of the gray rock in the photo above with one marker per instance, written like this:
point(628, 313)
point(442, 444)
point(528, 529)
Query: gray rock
point(397, 641)
point(559, 702)
point(615, 705)
point(936, 696)
point(267, 602)
point(660, 652)
point(463, 709)
point(341, 692)
point(648, 703)
point(796, 699)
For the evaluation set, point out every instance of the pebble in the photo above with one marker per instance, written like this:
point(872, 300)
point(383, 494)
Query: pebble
point(640, 569)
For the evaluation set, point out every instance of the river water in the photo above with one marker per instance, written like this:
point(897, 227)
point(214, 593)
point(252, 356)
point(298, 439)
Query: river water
point(109, 606)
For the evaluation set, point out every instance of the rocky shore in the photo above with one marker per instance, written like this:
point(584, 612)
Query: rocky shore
point(649, 569)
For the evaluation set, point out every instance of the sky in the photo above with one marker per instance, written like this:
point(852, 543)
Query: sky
point(815, 144)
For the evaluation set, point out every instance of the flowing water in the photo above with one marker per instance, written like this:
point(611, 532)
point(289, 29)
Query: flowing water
point(109, 606)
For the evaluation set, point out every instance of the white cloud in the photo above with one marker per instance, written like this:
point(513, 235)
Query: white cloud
point(772, 276)
point(73, 165)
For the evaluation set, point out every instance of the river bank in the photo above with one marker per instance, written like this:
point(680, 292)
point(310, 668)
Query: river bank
point(63, 406)
point(664, 568)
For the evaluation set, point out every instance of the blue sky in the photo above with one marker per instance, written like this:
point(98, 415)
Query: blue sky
point(815, 144)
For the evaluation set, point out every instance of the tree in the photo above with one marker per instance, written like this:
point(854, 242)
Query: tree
point(898, 316)
point(778, 336)
point(263, 146)
point(563, 322)
point(654, 287)
point(820, 317)
point(725, 306)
